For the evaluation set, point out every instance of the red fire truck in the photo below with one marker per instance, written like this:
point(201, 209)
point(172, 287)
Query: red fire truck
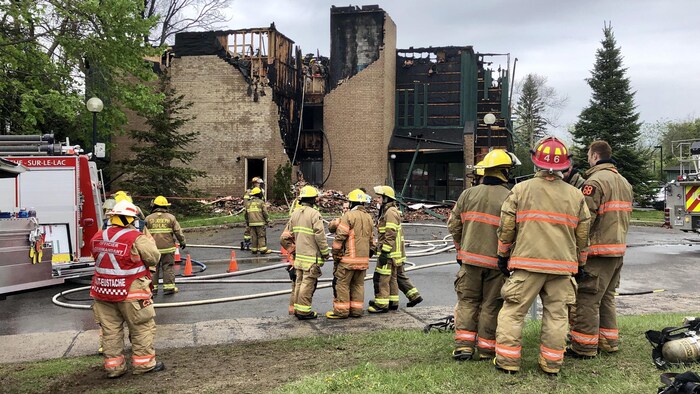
point(62, 191)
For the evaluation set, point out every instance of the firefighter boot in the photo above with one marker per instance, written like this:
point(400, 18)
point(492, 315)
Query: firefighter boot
point(393, 306)
point(376, 309)
point(170, 291)
point(159, 367)
point(332, 315)
point(242, 245)
point(504, 369)
point(308, 316)
point(463, 353)
point(414, 302)
point(247, 245)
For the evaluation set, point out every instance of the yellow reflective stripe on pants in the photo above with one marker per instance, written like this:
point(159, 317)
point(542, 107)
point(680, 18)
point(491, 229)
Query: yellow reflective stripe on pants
point(167, 250)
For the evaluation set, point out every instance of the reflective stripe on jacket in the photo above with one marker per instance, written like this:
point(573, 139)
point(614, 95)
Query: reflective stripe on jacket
point(119, 261)
point(547, 220)
point(391, 239)
point(473, 223)
point(353, 238)
point(165, 230)
point(609, 200)
point(305, 238)
point(256, 212)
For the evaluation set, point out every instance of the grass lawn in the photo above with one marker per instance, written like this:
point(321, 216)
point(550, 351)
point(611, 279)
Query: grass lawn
point(390, 361)
point(650, 216)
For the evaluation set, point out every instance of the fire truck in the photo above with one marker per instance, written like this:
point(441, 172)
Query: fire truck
point(683, 194)
point(50, 198)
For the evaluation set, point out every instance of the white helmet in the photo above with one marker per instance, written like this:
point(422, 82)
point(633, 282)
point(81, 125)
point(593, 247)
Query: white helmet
point(124, 208)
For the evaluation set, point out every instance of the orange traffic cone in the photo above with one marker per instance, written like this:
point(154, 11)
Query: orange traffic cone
point(233, 265)
point(188, 267)
point(178, 259)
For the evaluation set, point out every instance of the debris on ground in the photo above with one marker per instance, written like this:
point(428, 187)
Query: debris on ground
point(330, 202)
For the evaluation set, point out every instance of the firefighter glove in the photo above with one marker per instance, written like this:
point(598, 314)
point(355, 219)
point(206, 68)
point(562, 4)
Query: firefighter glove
point(459, 262)
point(292, 273)
point(183, 245)
point(383, 259)
point(581, 275)
point(503, 265)
point(371, 253)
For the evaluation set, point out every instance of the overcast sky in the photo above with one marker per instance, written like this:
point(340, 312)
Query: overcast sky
point(660, 40)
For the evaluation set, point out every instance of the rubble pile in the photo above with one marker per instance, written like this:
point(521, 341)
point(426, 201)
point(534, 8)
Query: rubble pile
point(330, 202)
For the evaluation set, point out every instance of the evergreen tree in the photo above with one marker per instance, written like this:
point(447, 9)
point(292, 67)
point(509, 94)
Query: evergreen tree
point(611, 116)
point(159, 162)
point(535, 111)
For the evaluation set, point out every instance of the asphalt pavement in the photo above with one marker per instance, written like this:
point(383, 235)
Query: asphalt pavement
point(34, 328)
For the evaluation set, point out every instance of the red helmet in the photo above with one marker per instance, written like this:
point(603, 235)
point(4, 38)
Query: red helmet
point(551, 154)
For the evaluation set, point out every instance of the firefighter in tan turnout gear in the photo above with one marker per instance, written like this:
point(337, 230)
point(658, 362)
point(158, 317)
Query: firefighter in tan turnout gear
point(389, 275)
point(609, 199)
point(165, 230)
point(473, 223)
point(352, 248)
point(256, 218)
point(304, 237)
point(121, 289)
point(542, 238)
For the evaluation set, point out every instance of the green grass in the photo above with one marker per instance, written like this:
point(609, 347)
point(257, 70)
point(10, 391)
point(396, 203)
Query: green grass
point(413, 362)
point(649, 216)
point(387, 361)
point(39, 376)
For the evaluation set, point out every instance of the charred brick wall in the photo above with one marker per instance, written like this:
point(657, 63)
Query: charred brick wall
point(359, 120)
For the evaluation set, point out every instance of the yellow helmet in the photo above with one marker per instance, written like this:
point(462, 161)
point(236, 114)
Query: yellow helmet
point(308, 192)
point(161, 201)
point(256, 191)
point(121, 195)
point(385, 191)
point(479, 168)
point(498, 158)
point(257, 179)
point(357, 196)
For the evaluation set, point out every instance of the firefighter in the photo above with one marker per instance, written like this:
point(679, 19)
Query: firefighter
point(245, 244)
point(255, 182)
point(304, 237)
point(122, 195)
point(121, 289)
point(166, 231)
point(392, 254)
point(257, 218)
point(473, 223)
point(352, 248)
point(542, 238)
point(572, 177)
point(609, 198)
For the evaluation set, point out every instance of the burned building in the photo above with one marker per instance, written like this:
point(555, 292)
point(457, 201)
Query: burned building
point(412, 118)
point(369, 114)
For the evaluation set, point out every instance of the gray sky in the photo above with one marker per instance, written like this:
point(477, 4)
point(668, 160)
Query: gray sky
point(660, 40)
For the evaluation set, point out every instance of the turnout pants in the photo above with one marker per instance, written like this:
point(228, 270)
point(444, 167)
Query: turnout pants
point(519, 292)
point(595, 322)
point(478, 303)
point(258, 239)
point(385, 285)
point(403, 284)
point(138, 316)
point(165, 265)
point(305, 286)
point(348, 291)
point(246, 234)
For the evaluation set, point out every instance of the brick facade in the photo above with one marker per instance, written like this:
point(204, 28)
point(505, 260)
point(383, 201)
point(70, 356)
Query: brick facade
point(358, 118)
point(232, 126)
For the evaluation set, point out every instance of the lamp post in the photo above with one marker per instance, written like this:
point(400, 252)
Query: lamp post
point(94, 105)
point(489, 120)
point(661, 161)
